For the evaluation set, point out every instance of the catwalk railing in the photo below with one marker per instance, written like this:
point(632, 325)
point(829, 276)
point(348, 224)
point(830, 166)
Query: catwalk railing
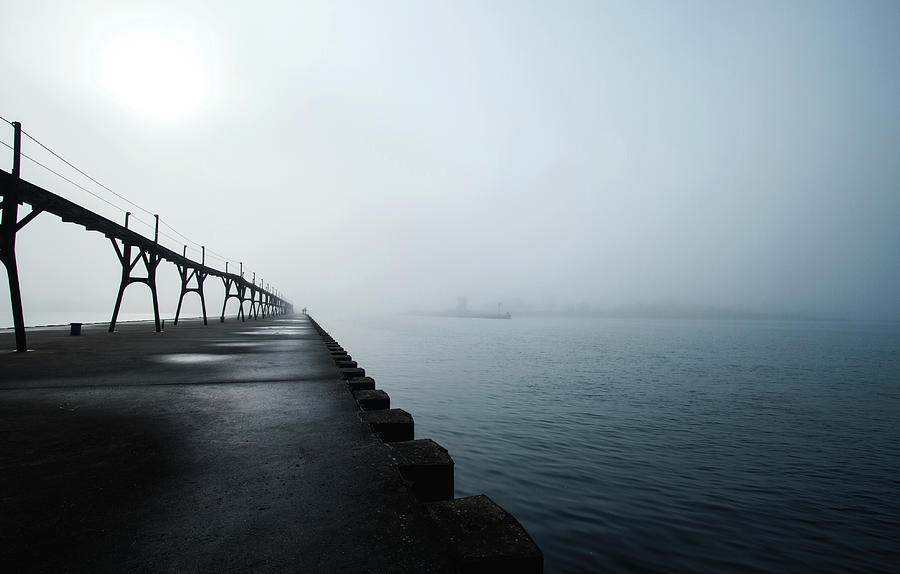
point(132, 249)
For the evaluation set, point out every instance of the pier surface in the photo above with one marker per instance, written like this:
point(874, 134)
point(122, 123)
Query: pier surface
point(229, 447)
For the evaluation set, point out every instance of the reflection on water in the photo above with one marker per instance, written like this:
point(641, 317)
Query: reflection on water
point(660, 446)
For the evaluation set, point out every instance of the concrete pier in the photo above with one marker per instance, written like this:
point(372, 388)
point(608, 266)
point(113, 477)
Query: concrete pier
point(228, 447)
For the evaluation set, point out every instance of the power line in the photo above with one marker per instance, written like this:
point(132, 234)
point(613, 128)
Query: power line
point(217, 256)
point(167, 236)
point(199, 245)
point(108, 202)
point(123, 198)
point(32, 138)
point(220, 256)
point(64, 160)
point(103, 199)
point(180, 234)
point(135, 217)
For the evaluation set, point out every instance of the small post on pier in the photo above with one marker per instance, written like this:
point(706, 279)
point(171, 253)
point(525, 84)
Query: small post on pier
point(17, 149)
point(127, 215)
point(202, 255)
point(9, 223)
point(156, 229)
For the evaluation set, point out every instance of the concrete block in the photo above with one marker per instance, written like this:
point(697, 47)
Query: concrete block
point(353, 373)
point(485, 538)
point(371, 399)
point(361, 384)
point(391, 425)
point(427, 465)
point(345, 363)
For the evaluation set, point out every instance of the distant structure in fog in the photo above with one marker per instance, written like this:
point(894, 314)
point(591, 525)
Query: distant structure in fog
point(462, 310)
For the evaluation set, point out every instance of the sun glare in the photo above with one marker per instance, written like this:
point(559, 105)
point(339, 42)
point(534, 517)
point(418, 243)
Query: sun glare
point(154, 73)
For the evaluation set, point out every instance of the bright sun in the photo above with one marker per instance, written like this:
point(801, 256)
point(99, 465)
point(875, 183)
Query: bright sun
point(154, 73)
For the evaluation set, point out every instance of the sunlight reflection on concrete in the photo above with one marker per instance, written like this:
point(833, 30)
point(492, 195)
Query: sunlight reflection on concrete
point(188, 358)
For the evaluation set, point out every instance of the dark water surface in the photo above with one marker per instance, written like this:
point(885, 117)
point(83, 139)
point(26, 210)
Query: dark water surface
point(638, 445)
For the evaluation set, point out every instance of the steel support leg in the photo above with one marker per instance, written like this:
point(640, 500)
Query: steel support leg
point(15, 299)
point(9, 226)
point(151, 281)
point(227, 283)
point(122, 285)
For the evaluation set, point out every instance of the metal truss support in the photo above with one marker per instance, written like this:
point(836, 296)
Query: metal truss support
point(197, 274)
point(151, 262)
point(264, 300)
point(238, 294)
point(131, 249)
point(263, 304)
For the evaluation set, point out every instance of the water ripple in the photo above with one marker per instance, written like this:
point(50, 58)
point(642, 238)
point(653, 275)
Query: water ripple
point(663, 446)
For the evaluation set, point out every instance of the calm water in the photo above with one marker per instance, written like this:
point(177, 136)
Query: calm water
point(655, 446)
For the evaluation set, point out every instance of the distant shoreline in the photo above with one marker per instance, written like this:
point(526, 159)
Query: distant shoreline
point(686, 315)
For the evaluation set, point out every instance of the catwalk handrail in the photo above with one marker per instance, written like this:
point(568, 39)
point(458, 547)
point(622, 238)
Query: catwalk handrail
point(69, 211)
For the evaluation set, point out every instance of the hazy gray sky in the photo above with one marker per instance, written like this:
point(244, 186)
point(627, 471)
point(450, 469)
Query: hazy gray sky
point(392, 154)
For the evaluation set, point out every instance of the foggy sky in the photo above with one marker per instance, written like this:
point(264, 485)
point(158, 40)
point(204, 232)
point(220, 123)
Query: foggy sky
point(397, 155)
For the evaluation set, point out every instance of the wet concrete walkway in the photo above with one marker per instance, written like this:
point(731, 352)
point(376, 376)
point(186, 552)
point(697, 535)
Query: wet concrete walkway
point(230, 447)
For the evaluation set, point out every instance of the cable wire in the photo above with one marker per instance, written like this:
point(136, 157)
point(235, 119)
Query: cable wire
point(222, 257)
point(138, 219)
point(198, 246)
point(32, 138)
point(108, 202)
point(103, 199)
point(64, 160)
point(123, 198)
point(166, 235)
point(180, 234)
